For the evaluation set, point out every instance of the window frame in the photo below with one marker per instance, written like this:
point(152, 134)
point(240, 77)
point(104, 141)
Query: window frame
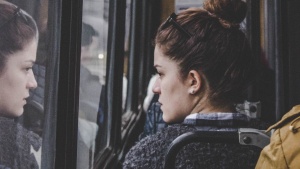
point(68, 20)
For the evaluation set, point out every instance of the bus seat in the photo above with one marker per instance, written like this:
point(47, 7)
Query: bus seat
point(241, 136)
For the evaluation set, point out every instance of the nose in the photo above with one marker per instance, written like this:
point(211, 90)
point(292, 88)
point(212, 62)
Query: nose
point(31, 81)
point(156, 86)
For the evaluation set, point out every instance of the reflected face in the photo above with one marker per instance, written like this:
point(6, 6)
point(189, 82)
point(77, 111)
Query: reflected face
point(88, 50)
point(85, 53)
point(172, 90)
point(16, 80)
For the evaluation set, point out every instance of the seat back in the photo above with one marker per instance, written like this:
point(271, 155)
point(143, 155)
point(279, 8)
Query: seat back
point(241, 136)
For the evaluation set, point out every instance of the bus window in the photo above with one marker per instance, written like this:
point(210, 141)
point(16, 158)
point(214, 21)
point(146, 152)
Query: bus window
point(92, 80)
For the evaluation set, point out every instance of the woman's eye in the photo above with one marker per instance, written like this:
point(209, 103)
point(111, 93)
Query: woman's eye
point(28, 69)
point(159, 73)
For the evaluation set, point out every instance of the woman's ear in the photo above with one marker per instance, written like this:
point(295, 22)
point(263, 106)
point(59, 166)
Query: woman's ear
point(194, 81)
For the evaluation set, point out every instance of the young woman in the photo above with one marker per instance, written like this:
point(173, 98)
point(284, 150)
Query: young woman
point(18, 45)
point(205, 65)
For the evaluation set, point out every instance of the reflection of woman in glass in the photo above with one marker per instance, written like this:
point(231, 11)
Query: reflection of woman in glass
point(19, 148)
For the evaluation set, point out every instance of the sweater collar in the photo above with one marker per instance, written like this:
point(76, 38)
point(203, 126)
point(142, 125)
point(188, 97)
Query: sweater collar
point(217, 119)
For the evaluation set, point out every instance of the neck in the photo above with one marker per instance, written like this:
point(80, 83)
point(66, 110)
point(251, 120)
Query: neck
point(203, 105)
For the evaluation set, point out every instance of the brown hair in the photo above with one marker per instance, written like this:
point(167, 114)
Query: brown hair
point(217, 49)
point(17, 28)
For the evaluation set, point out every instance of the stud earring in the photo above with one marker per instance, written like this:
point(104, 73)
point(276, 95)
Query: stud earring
point(192, 91)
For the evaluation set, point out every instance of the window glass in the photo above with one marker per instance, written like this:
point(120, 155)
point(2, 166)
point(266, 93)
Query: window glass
point(266, 84)
point(92, 80)
point(126, 53)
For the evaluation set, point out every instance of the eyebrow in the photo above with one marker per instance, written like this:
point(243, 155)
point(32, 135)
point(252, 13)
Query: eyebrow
point(31, 61)
point(156, 65)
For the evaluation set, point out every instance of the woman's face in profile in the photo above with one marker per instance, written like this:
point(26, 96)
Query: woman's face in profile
point(16, 80)
point(173, 91)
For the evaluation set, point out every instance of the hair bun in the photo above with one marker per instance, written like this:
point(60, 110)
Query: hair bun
point(231, 12)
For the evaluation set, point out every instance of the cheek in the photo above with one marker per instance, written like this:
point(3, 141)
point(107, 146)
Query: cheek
point(168, 86)
point(175, 107)
point(10, 104)
point(11, 94)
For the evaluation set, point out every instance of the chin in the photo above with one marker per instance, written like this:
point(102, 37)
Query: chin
point(167, 119)
point(173, 120)
point(19, 113)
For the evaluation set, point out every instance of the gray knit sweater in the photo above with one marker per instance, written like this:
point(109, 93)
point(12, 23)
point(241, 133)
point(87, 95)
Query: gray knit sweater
point(149, 152)
point(17, 145)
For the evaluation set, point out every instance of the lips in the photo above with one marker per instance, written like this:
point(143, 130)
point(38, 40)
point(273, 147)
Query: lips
point(25, 99)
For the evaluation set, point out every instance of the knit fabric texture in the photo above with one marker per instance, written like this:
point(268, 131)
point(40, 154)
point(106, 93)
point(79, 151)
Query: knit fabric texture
point(16, 145)
point(150, 152)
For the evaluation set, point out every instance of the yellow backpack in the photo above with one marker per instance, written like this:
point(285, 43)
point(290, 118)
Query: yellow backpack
point(284, 148)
